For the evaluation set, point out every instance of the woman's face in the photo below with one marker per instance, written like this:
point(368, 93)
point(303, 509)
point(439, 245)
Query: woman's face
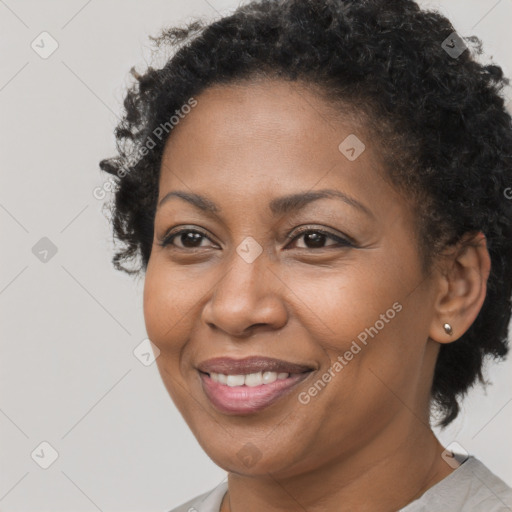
point(346, 300)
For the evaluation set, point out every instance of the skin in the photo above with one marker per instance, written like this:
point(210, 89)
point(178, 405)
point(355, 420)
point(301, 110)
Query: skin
point(364, 440)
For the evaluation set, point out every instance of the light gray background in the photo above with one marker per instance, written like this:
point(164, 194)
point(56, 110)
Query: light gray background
point(68, 374)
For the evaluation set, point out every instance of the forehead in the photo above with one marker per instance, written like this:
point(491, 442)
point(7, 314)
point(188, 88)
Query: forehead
point(269, 137)
point(237, 112)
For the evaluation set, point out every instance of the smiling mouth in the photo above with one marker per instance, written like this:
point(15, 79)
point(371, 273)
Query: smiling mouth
point(249, 385)
point(251, 365)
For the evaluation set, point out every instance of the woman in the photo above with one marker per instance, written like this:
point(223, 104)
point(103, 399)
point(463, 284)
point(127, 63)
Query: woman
point(317, 191)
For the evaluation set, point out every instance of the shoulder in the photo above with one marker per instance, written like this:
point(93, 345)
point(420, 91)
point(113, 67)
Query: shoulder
point(493, 492)
point(209, 501)
point(472, 487)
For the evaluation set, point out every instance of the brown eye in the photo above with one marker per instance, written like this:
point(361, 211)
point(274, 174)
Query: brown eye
point(316, 238)
point(313, 239)
point(188, 238)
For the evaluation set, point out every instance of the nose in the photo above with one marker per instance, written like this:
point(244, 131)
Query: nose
point(248, 297)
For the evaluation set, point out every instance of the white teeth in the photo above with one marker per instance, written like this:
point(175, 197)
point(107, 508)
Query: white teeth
point(235, 380)
point(269, 377)
point(251, 379)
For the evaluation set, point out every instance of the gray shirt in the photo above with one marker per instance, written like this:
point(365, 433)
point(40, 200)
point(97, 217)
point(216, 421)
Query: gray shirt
point(472, 487)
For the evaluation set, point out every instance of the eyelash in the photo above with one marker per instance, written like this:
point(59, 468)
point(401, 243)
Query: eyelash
point(342, 242)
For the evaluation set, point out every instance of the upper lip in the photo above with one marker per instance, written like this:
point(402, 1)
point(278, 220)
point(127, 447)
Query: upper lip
point(252, 364)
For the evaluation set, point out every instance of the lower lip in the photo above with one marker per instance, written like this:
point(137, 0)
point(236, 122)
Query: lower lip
point(248, 399)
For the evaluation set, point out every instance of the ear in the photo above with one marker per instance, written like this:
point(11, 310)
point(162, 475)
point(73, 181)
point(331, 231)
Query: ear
point(465, 268)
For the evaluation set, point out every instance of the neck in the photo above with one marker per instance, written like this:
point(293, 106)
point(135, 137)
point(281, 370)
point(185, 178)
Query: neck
point(385, 475)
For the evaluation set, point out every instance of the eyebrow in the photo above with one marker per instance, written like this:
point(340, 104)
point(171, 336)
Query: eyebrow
point(279, 206)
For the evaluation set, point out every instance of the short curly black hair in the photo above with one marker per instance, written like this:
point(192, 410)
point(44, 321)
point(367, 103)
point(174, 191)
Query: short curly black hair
point(441, 120)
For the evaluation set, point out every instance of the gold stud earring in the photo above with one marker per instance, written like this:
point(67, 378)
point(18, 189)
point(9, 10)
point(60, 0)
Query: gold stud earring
point(448, 329)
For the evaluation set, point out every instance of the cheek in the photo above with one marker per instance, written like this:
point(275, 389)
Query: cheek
point(167, 326)
point(165, 311)
point(375, 350)
point(341, 303)
point(367, 315)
